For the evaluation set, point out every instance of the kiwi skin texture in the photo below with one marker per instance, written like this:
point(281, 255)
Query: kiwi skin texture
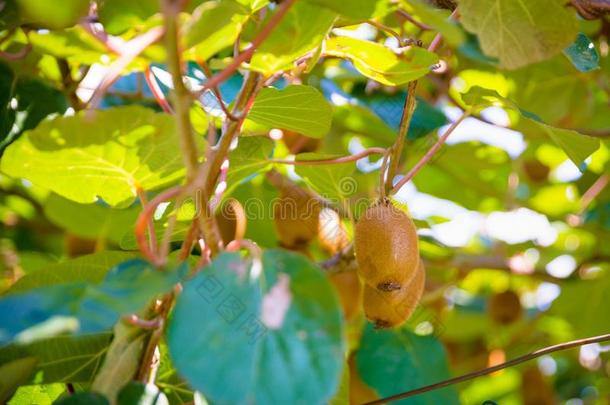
point(388, 309)
point(296, 217)
point(505, 307)
point(349, 287)
point(231, 220)
point(386, 247)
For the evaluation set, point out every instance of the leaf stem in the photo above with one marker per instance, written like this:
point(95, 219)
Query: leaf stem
point(246, 54)
point(489, 370)
point(334, 161)
point(438, 38)
point(426, 158)
point(405, 121)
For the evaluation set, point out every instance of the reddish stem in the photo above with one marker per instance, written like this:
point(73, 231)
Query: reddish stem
point(343, 159)
point(156, 91)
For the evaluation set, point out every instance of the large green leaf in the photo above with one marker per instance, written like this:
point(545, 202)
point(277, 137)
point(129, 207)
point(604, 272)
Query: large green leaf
point(63, 358)
point(379, 63)
point(248, 159)
point(356, 9)
point(437, 19)
point(576, 146)
point(279, 335)
point(141, 394)
point(90, 268)
point(214, 26)
point(14, 374)
point(95, 221)
point(81, 307)
point(301, 30)
point(108, 155)
point(297, 108)
point(118, 16)
point(334, 182)
point(520, 32)
point(393, 361)
point(37, 394)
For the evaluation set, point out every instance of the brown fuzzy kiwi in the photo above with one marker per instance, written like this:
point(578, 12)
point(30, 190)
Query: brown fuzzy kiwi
point(505, 307)
point(349, 287)
point(332, 233)
point(536, 171)
point(535, 389)
point(77, 246)
point(359, 391)
point(231, 220)
point(387, 309)
point(386, 247)
point(296, 217)
point(298, 143)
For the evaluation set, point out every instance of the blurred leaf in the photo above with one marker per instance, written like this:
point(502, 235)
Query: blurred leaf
point(298, 108)
point(124, 148)
point(520, 33)
point(63, 358)
point(357, 9)
point(248, 159)
point(141, 394)
point(439, 20)
point(334, 181)
point(75, 45)
point(301, 30)
point(80, 307)
point(291, 337)
point(37, 394)
point(94, 221)
point(14, 374)
point(118, 16)
point(379, 63)
point(83, 398)
point(582, 54)
point(90, 268)
point(170, 382)
point(360, 120)
point(393, 361)
point(215, 25)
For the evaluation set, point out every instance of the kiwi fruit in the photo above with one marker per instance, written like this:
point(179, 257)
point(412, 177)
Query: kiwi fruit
point(297, 143)
point(536, 171)
point(386, 247)
point(231, 220)
point(349, 287)
point(76, 246)
point(535, 389)
point(387, 309)
point(296, 217)
point(332, 233)
point(505, 307)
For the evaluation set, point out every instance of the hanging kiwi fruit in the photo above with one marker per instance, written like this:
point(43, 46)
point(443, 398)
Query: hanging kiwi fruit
point(298, 143)
point(296, 217)
point(231, 220)
point(386, 247)
point(349, 287)
point(505, 307)
point(387, 309)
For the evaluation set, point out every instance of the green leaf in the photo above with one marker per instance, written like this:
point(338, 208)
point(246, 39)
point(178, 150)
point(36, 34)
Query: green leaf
point(356, 9)
point(64, 358)
point(577, 146)
point(94, 221)
point(37, 394)
point(360, 120)
point(122, 361)
point(581, 301)
point(393, 361)
point(75, 45)
point(334, 181)
point(108, 155)
point(379, 63)
point(83, 398)
point(83, 308)
point(439, 20)
point(298, 108)
point(248, 159)
point(14, 374)
point(520, 32)
point(582, 54)
point(283, 330)
point(302, 30)
point(141, 394)
point(215, 25)
point(118, 16)
point(90, 268)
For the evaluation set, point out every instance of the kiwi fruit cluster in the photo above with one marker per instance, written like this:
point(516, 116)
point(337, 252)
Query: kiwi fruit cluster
point(387, 253)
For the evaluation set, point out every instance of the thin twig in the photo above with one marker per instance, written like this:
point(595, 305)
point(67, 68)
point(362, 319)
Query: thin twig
point(387, 30)
point(343, 159)
point(152, 236)
point(436, 41)
point(246, 54)
point(489, 370)
point(412, 20)
point(208, 73)
point(156, 91)
point(593, 191)
point(426, 158)
point(405, 122)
